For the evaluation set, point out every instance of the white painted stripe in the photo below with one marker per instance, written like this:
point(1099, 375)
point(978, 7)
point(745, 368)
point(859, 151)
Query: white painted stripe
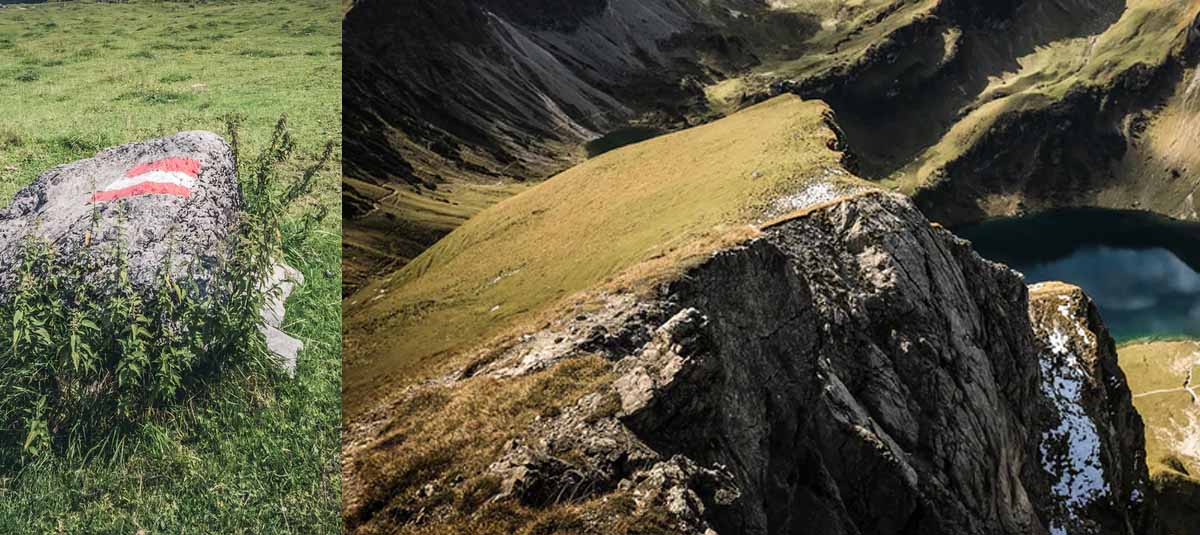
point(165, 177)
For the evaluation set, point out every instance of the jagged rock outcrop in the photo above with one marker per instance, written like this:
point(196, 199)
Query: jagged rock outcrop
point(1092, 443)
point(854, 369)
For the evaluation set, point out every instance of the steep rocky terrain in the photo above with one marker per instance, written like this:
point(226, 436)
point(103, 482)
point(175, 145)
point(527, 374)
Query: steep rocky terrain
point(724, 329)
point(747, 323)
point(852, 369)
point(974, 108)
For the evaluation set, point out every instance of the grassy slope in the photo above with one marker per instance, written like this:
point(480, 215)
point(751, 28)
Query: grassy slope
point(402, 223)
point(1172, 423)
point(674, 196)
point(848, 33)
point(1166, 156)
point(257, 458)
point(1147, 33)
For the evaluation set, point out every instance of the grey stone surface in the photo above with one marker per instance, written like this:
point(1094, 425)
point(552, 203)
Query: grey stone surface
point(58, 207)
point(855, 370)
point(62, 207)
point(283, 280)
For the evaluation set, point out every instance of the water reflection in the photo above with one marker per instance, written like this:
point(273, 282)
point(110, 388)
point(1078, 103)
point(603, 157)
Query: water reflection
point(1142, 271)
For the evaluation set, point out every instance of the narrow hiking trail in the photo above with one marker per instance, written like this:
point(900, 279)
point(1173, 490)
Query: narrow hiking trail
point(1187, 383)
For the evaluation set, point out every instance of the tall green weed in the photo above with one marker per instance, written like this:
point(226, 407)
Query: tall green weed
point(84, 358)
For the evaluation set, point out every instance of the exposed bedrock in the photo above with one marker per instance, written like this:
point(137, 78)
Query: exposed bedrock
point(853, 370)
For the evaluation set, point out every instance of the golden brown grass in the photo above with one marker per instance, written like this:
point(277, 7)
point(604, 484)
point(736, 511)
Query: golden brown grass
point(1172, 420)
point(666, 198)
point(427, 465)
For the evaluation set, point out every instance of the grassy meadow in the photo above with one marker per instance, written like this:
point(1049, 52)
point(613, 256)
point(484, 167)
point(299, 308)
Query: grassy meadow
point(254, 454)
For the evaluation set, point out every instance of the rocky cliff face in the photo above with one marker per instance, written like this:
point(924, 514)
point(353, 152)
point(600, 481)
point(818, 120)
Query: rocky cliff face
point(854, 369)
point(1083, 392)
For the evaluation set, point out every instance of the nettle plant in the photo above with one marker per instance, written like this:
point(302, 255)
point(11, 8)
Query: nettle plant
point(84, 359)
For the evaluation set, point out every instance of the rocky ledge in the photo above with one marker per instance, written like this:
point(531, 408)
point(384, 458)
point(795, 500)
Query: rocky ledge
point(853, 369)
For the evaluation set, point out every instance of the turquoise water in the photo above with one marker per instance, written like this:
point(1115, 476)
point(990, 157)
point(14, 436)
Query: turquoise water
point(1143, 271)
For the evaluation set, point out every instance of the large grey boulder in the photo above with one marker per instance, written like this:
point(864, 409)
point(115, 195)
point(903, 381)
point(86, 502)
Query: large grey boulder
point(173, 197)
point(171, 202)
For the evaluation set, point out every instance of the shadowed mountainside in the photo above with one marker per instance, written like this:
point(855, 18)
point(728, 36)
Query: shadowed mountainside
point(974, 110)
point(448, 105)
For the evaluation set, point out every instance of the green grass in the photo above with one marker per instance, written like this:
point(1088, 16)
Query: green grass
point(1146, 35)
point(252, 455)
point(91, 75)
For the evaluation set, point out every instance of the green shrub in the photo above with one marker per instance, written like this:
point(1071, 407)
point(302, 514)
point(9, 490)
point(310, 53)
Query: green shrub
point(83, 360)
point(175, 77)
point(153, 95)
point(28, 75)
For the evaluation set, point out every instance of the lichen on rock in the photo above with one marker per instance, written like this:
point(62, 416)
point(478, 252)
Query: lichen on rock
point(172, 198)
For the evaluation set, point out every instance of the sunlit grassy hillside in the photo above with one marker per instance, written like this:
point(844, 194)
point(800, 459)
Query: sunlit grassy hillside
point(1160, 374)
point(672, 197)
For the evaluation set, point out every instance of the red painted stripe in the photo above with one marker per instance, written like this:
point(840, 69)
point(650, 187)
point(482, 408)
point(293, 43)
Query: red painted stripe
point(179, 165)
point(145, 188)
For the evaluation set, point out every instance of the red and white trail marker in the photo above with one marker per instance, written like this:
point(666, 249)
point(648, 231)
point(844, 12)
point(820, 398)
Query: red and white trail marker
point(169, 176)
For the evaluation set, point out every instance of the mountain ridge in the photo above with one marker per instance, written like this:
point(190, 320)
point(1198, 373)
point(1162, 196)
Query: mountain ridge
point(1085, 102)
